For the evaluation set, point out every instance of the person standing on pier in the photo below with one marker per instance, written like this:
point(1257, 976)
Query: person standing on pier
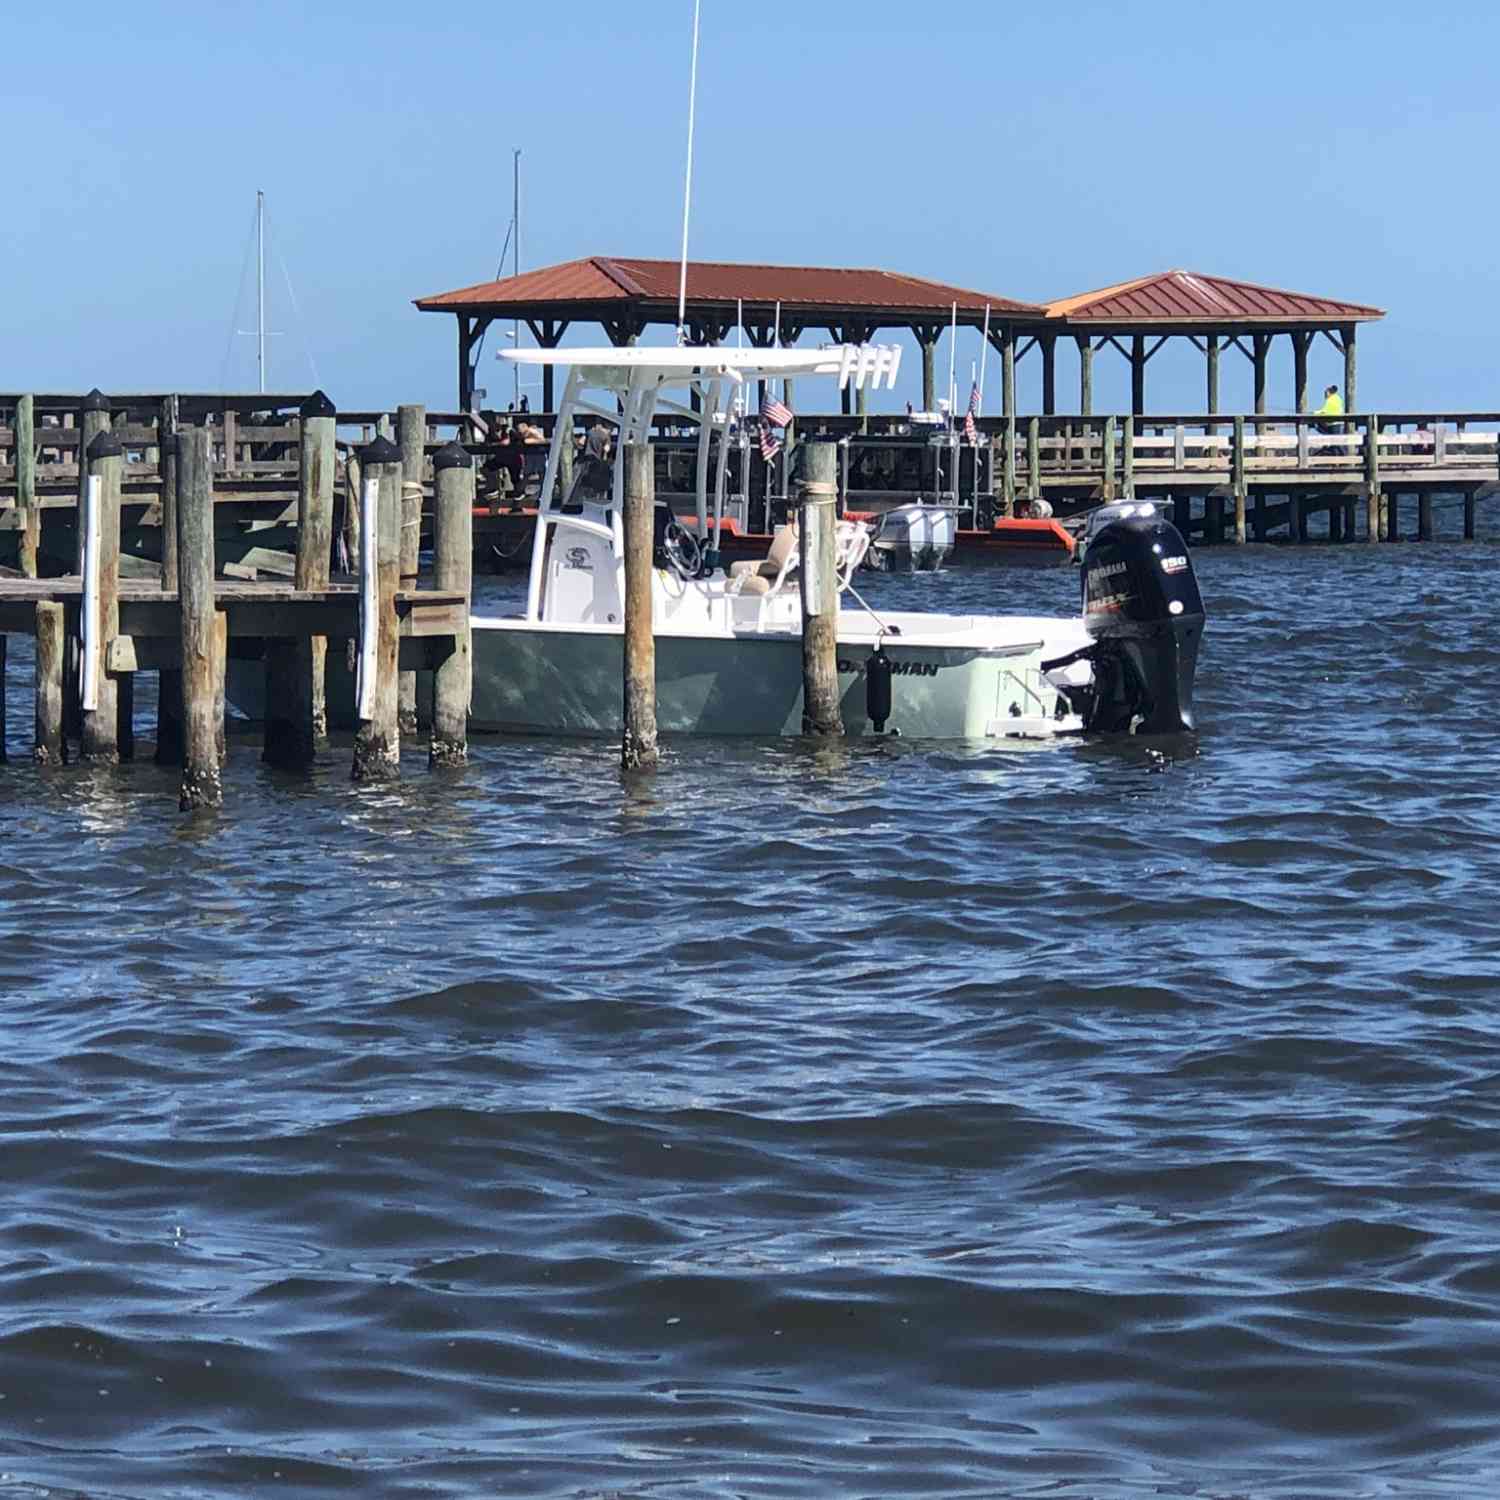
point(1333, 406)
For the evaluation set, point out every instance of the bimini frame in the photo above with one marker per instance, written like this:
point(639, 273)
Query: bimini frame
point(635, 383)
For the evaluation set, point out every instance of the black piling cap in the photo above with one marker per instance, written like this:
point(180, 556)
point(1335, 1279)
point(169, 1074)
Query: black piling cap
point(96, 400)
point(317, 405)
point(105, 445)
point(451, 456)
point(381, 451)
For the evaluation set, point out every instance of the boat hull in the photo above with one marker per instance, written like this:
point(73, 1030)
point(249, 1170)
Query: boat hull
point(538, 679)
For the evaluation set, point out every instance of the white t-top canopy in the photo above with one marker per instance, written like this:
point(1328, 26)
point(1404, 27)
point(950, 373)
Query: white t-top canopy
point(856, 363)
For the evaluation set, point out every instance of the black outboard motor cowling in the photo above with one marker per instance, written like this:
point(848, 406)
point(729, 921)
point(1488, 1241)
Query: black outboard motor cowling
point(1142, 607)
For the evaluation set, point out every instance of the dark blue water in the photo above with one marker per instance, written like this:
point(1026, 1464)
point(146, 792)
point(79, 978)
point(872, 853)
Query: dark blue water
point(1086, 1121)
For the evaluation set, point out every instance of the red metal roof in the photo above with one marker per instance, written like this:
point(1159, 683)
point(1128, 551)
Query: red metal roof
point(1188, 297)
point(606, 280)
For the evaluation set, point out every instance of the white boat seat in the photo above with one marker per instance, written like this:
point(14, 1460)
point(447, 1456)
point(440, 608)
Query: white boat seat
point(783, 544)
point(767, 575)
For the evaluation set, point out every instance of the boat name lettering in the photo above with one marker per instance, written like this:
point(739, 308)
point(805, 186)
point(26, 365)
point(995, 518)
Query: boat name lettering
point(578, 557)
point(898, 668)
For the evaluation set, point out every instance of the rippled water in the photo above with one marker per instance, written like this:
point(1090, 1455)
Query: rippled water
point(1090, 1121)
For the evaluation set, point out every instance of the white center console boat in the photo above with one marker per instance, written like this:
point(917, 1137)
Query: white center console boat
point(728, 641)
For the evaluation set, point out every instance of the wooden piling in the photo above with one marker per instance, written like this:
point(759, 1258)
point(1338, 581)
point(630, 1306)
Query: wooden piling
point(411, 433)
point(1299, 517)
point(1469, 508)
point(99, 523)
point(93, 418)
point(203, 640)
point(1109, 458)
point(51, 748)
point(169, 679)
point(30, 515)
point(1127, 479)
point(1033, 458)
point(638, 751)
point(1372, 479)
point(819, 587)
point(1213, 518)
point(377, 742)
point(1238, 480)
point(453, 569)
point(1424, 517)
point(296, 718)
point(1390, 521)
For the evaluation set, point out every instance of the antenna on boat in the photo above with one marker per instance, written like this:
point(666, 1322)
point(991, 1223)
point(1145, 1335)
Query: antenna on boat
point(687, 191)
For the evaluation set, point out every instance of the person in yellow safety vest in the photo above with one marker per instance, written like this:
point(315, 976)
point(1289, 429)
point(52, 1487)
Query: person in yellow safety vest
point(1332, 406)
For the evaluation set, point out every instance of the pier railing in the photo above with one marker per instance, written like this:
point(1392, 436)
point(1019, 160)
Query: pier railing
point(1071, 461)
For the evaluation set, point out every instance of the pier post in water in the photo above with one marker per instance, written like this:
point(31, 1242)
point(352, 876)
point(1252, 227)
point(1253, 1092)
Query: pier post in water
point(1424, 517)
point(317, 461)
point(296, 716)
point(100, 605)
point(453, 571)
point(1372, 479)
point(411, 434)
point(820, 591)
point(203, 640)
point(377, 741)
point(1237, 474)
point(1469, 508)
point(51, 652)
point(28, 512)
point(169, 679)
point(638, 750)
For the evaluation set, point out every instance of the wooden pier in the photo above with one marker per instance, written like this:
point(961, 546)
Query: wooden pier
point(96, 627)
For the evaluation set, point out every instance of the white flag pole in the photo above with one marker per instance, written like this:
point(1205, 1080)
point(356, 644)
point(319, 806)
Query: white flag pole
point(984, 354)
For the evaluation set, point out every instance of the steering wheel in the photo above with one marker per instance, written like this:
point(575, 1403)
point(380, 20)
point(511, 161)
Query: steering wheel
point(684, 550)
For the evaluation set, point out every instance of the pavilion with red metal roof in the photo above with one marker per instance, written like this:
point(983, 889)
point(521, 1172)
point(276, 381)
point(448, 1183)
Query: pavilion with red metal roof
point(1211, 311)
point(625, 296)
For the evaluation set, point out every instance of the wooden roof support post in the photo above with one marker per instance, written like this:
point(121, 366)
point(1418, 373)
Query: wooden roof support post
point(927, 336)
point(1138, 373)
point(1048, 342)
point(469, 330)
point(1301, 342)
point(1261, 343)
point(1008, 371)
point(1349, 330)
point(1211, 355)
point(1085, 374)
point(548, 333)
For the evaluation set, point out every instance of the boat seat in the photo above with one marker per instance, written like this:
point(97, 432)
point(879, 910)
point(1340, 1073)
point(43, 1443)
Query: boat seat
point(763, 577)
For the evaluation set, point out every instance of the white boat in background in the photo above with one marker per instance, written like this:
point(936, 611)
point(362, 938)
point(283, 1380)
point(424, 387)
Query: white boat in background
point(728, 641)
point(912, 538)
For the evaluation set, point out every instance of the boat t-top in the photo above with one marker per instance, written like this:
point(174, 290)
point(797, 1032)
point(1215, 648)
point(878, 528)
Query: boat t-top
point(728, 639)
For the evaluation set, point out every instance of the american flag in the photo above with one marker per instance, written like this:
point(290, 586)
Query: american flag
point(777, 413)
point(970, 430)
point(773, 414)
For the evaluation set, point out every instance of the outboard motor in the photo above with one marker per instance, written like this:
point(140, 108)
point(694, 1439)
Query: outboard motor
point(1142, 608)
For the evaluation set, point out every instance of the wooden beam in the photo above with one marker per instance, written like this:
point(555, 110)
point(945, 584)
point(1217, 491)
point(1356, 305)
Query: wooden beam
point(1349, 368)
point(1085, 374)
point(1301, 342)
point(1137, 374)
point(1049, 374)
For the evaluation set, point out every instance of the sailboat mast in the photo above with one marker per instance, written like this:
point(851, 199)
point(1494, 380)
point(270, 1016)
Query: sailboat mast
point(515, 255)
point(260, 287)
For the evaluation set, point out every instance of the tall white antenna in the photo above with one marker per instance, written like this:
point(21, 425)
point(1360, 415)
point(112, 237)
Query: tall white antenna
point(952, 351)
point(260, 286)
point(515, 258)
point(687, 191)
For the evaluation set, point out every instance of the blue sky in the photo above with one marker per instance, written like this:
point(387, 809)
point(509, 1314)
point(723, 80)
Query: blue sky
point(1031, 151)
